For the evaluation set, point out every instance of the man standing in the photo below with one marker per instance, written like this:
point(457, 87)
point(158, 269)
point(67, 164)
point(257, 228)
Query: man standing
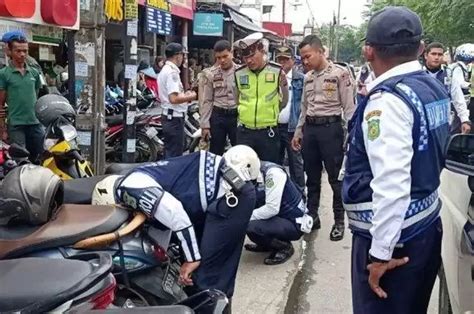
point(328, 92)
point(173, 100)
point(397, 140)
point(19, 86)
point(261, 91)
point(218, 109)
point(289, 115)
point(434, 54)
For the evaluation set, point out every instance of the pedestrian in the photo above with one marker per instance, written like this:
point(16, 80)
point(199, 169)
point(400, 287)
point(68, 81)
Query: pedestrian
point(366, 75)
point(398, 137)
point(261, 92)
point(219, 109)
point(19, 87)
point(328, 93)
point(174, 100)
point(159, 64)
point(289, 115)
point(205, 199)
point(281, 215)
point(434, 54)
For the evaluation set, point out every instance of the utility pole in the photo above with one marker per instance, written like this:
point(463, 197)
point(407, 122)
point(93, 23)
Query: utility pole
point(283, 10)
point(336, 31)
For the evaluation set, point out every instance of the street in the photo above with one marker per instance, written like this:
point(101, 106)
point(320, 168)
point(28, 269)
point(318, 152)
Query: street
point(315, 280)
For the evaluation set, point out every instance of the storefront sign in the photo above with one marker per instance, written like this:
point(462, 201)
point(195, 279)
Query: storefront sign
point(182, 8)
point(162, 5)
point(131, 9)
point(47, 34)
point(208, 24)
point(158, 21)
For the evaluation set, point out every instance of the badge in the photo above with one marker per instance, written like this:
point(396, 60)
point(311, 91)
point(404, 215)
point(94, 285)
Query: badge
point(270, 78)
point(129, 200)
point(243, 45)
point(269, 183)
point(329, 90)
point(373, 114)
point(373, 129)
point(244, 80)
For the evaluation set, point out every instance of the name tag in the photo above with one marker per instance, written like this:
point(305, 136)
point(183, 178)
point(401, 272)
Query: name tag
point(270, 77)
point(244, 80)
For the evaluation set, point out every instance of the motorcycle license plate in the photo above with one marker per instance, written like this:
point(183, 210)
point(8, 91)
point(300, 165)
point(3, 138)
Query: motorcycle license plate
point(170, 282)
point(151, 132)
point(196, 116)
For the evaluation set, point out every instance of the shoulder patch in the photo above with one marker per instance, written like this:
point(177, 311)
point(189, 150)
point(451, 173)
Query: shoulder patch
point(373, 131)
point(269, 182)
point(373, 114)
point(376, 95)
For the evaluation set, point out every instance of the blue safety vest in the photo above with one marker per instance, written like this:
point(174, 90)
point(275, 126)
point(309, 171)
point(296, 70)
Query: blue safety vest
point(429, 102)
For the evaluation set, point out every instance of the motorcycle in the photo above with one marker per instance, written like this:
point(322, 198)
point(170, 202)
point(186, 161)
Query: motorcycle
point(37, 285)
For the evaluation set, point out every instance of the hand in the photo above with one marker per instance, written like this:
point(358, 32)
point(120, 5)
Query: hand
point(466, 128)
point(4, 135)
point(377, 270)
point(296, 143)
point(191, 95)
point(206, 134)
point(186, 272)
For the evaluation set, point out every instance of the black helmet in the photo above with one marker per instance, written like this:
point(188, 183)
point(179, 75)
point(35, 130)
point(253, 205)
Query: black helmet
point(30, 194)
point(50, 107)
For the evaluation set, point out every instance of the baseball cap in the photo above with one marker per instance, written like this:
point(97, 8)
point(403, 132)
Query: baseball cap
point(284, 51)
point(173, 49)
point(13, 35)
point(250, 44)
point(394, 25)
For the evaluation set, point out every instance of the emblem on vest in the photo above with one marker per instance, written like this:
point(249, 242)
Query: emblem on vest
point(270, 77)
point(244, 81)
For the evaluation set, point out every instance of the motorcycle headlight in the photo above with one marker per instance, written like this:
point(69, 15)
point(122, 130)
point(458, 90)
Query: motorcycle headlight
point(69, 132)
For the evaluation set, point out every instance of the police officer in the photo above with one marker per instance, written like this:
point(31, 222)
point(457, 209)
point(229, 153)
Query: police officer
point(173, 100)
point(261, 91)
point(397, 140)
point(434, 54)
point(328, 92)
point(207, 200)
point(281, 216)
point(218, 109)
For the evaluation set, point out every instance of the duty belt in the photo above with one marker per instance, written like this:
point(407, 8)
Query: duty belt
point(225, 111)
point(170, 113)
point(323, 120)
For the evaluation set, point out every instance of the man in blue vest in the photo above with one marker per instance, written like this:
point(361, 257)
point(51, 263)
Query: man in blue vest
point(396, 153)
point(434, 54)
point(281, 215)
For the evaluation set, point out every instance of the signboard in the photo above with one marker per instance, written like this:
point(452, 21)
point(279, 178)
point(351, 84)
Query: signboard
point(158, 21)
point(131, 9)
point(208, 24)
point(182, 8)
point(162, 5)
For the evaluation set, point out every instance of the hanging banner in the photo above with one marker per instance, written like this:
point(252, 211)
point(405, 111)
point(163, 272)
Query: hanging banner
point(182, 8)
point(208, 24)
point(131, 9)
point(158, 22)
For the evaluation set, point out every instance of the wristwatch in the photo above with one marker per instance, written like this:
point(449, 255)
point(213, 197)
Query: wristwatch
point(374, 259)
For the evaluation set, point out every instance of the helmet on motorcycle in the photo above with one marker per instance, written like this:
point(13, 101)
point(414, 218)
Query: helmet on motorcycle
point(104, 191)
point(243, 160)
point(465, 53)
point(36, 193)
point(50, 107)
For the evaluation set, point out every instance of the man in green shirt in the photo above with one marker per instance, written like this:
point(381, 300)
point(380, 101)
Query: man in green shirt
point(19, 85)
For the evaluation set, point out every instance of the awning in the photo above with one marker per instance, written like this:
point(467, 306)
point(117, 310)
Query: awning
point(246, 23)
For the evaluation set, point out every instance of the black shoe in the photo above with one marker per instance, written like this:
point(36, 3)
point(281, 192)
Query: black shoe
point(316, 223)
point(337, 232)
point(252, 247)
point(281, 256)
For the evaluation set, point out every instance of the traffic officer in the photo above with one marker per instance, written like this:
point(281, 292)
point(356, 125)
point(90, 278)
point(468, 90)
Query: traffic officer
point(328, 92)
point(174, 100)
point(281, 215)
point(434, 54)
point(218, 109)
point(207, 200)
point(397, 141)
point(261, 91)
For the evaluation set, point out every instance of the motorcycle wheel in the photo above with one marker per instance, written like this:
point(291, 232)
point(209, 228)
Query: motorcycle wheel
point(147, 150)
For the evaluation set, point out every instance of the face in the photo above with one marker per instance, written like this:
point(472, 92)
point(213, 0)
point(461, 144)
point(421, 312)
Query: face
point(312, 57)
point(19, 52)
point(256, 61)
point(286, 63)
point(179, 59)
point(434, 58)
point(224, 59)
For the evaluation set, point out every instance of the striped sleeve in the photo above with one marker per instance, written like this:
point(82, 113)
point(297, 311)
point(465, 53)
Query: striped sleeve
point(187, 237)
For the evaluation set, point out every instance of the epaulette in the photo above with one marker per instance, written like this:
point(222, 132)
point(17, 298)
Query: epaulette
point(274, 64)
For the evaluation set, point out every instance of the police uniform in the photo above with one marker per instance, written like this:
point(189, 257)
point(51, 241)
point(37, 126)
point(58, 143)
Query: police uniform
point(280, 216)
point(259, 99)
point(397, 139)
point(218, 109)
point(326, 95)
point(185, 194)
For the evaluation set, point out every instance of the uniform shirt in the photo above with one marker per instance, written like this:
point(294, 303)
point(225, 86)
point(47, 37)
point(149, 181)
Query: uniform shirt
point(273, 195)
point(327, 93)
point(169, 82)
point(284, 117)
point(218, 90)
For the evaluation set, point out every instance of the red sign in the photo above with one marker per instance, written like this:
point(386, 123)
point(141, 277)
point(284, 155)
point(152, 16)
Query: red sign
point(182, 8)
point(59, 12)
point(282, 29)
point(15, 8)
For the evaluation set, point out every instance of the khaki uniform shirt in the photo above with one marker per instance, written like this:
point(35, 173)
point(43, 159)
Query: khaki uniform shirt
point(217, 90)
point(327, 93)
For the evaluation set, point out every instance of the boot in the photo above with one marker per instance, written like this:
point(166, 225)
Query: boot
point(283, 252)
point(337, 232)
point(316, 223)
point(252, 247)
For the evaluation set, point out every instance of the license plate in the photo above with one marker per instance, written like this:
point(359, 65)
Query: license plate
point(196, 115)
point(151, 132)
point(170, 282)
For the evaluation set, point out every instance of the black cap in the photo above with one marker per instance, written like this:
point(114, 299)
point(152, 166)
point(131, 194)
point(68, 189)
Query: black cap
point(394, 25)
point(173, 49)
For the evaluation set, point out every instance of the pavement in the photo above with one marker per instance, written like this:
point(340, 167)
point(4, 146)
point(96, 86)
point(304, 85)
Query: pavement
point(315, 280)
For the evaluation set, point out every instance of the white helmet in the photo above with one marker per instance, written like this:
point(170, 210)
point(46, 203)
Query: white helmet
point(243, 160)
point(104, 191)
point(465, 53)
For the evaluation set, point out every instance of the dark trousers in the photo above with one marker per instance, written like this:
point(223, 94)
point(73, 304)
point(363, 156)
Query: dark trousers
point(29, 136)
point(222, 241)
point(323, 144)
point(409, 286)
point(295, 160)
point(266, 147)
point(173, 133)
point(223, 125)
point(262, 232)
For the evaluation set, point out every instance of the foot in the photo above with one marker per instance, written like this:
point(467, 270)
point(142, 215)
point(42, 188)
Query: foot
point(337, 232)
point(252, 247)
point(281, 256)
point(316, 223)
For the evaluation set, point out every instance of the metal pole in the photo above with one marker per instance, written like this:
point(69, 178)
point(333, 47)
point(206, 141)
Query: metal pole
point(71, 59)
point(284, 13)
point(336, 30)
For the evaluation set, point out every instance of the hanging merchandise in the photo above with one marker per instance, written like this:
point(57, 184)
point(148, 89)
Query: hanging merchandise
point(114, 10)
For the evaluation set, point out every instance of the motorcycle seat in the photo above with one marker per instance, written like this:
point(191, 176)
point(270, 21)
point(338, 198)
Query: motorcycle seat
point(122, 168)
point(71, 224)
point(114, 120)
point(27, 281)
point(79, 191)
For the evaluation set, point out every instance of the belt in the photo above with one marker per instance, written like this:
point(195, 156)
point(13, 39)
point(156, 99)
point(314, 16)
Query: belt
point(170, 113)
point(259, 128)
point(225, 111)
point(323, 120)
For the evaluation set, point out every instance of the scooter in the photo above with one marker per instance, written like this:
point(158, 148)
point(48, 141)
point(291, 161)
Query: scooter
point(37, 285)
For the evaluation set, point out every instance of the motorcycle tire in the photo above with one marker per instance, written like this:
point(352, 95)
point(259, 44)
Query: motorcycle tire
point(146, 150)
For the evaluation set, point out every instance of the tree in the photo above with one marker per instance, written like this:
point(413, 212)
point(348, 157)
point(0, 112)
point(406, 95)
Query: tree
point(349, 41)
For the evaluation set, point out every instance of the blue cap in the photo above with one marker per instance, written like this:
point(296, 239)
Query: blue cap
point(394, 25)
point(13, 35)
